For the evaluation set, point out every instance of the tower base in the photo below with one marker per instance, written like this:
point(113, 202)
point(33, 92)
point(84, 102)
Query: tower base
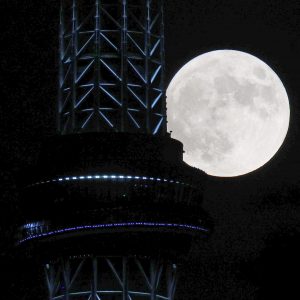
point(110, 278)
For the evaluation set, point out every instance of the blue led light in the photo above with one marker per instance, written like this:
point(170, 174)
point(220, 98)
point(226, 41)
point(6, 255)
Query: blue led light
point(32, 225)
point(116, 225)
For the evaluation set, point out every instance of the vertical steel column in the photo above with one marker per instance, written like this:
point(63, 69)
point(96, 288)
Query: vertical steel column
point(50, 280)
point(67, 279)
point(153, 275)
point(124, 69)
point(95, 279)
point(61, 67)
point(147, 28)
point(162, 55)
point(125, 278)
point(97, 77)
point(171, 281)
point(74, 63)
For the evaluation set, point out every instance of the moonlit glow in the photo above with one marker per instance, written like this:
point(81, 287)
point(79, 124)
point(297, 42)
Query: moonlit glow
point(230, 110)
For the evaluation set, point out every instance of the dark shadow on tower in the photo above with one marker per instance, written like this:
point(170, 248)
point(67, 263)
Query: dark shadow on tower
point(111, 207)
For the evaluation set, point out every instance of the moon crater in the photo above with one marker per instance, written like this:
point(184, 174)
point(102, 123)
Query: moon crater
point(230, 110)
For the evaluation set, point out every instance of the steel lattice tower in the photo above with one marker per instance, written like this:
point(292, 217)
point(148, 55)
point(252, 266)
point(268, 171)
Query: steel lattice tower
point(110, 207)
point(112, 66)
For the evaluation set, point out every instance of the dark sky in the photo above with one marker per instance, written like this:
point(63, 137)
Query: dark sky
point(255, 247)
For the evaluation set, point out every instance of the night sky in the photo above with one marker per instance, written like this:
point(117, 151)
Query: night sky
point(254, 251)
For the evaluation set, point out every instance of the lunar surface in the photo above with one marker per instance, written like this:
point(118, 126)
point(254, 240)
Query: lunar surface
point(230, 110)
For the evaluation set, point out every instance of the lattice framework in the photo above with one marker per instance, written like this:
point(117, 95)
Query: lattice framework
point(111, 74)
point(103, 278)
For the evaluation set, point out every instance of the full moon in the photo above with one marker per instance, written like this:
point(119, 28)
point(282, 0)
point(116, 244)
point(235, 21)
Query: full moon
point(230, 110)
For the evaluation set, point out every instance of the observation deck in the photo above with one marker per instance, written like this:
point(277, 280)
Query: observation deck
point(107, 184)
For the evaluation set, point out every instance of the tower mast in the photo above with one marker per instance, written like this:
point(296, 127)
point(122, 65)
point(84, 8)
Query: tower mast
point(111, 208)
point(111, 67)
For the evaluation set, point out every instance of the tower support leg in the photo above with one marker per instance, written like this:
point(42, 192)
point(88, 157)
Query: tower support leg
point(110, 278)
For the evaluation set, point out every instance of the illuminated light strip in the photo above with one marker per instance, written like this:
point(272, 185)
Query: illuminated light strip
point(111, 177)
point(113, 225)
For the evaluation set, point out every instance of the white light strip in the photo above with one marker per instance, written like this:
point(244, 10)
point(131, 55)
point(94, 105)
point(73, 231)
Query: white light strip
point(118, 178)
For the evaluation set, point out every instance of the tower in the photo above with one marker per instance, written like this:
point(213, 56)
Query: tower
point(110, 207)
point(112, 67)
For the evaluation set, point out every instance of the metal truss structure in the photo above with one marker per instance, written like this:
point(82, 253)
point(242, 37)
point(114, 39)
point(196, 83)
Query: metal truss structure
point(112, 66)
point(120, 206)
point(102, 278)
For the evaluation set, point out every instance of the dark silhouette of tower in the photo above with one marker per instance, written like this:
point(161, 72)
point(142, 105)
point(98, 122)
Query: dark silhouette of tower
point(111, 207)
